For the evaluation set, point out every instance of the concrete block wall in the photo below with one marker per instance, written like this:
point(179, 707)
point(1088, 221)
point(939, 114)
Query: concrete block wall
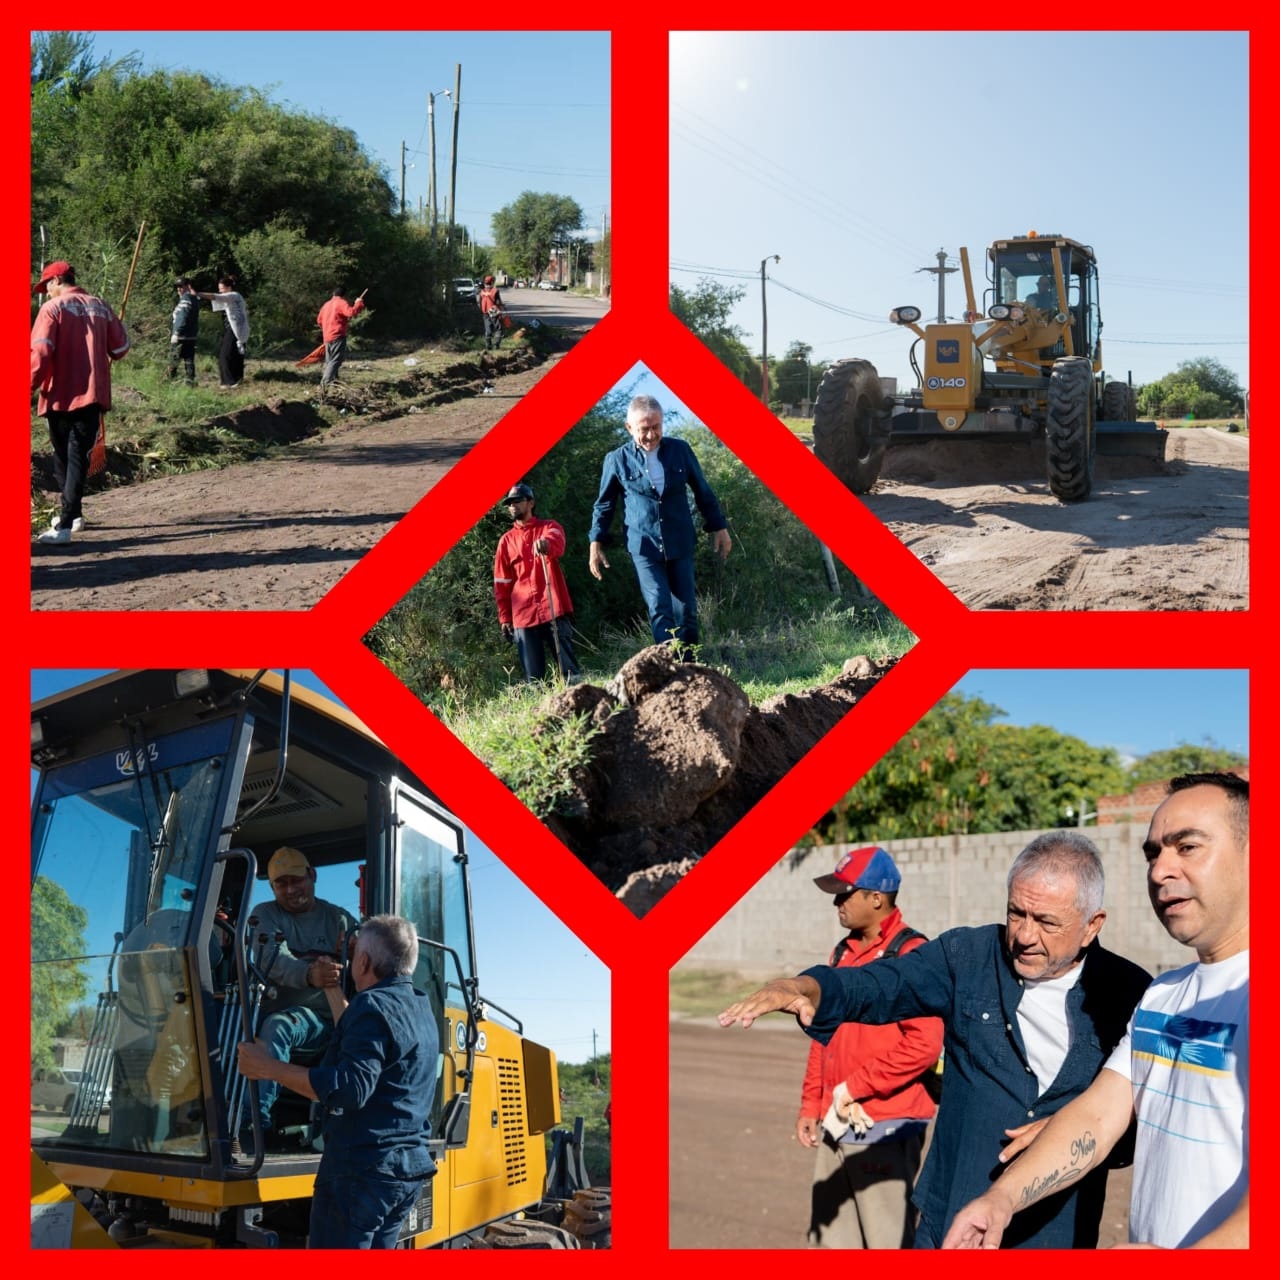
point(785, 923)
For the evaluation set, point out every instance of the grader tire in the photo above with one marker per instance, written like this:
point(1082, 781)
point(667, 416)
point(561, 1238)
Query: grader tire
point(1070, 435)
point(1119, 403)
point(848, 437)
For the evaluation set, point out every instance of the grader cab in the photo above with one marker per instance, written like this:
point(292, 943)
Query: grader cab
point(158, 797)
point(1028, 364)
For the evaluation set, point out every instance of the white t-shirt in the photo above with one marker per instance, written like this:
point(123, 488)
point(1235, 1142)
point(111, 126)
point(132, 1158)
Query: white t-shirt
point(1187, 1054)
point(1042, 1019)
point(232, 304)
point(657, 473)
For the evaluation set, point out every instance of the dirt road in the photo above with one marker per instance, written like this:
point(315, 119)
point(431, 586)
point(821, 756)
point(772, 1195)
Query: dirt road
point(271, 534)
point(739, 1178)
point(1172, 535)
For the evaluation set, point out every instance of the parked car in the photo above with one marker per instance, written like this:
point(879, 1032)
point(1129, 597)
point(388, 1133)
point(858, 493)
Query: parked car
point(55, 1088)
point(551, 284)
point(464, 287)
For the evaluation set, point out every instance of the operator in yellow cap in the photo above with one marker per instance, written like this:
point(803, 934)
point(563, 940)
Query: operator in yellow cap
point(296, 1018)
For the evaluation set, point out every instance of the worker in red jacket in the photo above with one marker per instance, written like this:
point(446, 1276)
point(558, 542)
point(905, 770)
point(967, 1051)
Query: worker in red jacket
point(73, 342)
point(334, 319)
point(864, 1107)
point(492, 310)
point(534, 608)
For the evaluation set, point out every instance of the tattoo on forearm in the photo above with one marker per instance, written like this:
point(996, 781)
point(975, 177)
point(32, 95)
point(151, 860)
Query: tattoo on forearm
point(1083, 1147)
point(1038, 1188)
point(1082, 1152)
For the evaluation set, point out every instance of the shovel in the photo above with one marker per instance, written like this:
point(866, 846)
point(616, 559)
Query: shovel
point(555, 619)
point(98, 454)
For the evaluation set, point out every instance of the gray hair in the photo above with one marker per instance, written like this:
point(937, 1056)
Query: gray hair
point(391, 943)
point(642, 407)
point(1064, 853)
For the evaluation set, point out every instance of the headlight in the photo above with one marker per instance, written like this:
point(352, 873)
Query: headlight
point(999, 312)
point(904, 315)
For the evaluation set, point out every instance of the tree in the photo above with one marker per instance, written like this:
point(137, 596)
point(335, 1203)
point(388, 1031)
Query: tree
point(795, 377)
point(706, 310)
point(1186, 757)
point(959, 771)
point(527, 231)
point(1203, 387)
point(223, 178)
point(57, 931)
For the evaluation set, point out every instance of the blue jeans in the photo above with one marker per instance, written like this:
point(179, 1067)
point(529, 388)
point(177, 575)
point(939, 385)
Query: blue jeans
point(360, 1210)
point(668, 590)
point(533, 643)
point(283, 1034)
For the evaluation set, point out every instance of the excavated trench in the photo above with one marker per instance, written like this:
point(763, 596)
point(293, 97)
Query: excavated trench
point(279, 420)
point(679, 758)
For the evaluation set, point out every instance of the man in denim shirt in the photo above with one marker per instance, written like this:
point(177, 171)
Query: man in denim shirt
point(1031, 1011)
point(376, 1083)
point(650, 477)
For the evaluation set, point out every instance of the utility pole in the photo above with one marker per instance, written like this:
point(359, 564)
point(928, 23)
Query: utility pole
point(402, 177)
point(453, 145)
point(764, 336)
point(604, 232)
point(595, 1063)
point(941, 271)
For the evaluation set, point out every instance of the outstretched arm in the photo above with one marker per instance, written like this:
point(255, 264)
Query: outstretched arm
point(787, 995)
point(1076, 1140)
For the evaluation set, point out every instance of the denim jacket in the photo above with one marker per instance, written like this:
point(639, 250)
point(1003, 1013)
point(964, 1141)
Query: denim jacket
point(377, 1082)
point(965, 977)
point(657, 528)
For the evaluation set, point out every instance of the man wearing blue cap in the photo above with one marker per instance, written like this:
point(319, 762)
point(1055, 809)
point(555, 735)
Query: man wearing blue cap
point(1031, 1010)
point(864, 1106)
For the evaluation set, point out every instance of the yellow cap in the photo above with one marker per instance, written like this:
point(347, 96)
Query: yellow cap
point(287, 861)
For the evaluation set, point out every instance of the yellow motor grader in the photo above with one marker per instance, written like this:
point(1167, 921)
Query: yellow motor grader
point(158, 798)
point(1027, 365)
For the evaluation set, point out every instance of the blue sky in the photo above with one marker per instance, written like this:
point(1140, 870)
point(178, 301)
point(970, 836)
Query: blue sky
point(524, 123)
point(856, 156)
point(549, 980)
point(1134, 711)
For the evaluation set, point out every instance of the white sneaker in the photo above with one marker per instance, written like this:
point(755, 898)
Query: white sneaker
point(76, 525)
point(55, 535)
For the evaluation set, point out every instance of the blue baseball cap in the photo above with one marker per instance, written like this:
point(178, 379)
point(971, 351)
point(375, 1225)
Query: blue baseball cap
point(869, 868)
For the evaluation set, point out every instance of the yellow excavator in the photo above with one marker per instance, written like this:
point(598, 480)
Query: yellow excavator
point(1028, 365)
point(158, 797)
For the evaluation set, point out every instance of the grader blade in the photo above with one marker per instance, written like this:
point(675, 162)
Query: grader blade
point(1132, 439)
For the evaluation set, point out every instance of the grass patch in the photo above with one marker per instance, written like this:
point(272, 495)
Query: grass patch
point(160, 426)
point(702, 993)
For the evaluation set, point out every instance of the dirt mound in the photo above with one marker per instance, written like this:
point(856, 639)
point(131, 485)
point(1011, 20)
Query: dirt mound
point(680, 757)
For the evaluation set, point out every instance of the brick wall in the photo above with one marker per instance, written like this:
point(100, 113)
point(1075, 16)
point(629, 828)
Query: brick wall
point(785, 923)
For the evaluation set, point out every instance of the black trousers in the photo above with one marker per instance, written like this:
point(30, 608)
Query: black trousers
point(72, 436)
point(230, 361)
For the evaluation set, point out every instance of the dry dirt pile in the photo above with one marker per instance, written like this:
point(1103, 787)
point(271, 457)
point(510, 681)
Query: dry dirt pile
point(680, 756)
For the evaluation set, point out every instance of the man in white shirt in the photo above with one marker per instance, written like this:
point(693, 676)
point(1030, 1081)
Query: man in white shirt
point(1183, 1067)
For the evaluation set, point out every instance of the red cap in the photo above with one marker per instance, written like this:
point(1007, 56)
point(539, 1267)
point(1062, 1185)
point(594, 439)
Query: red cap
point(53, 270)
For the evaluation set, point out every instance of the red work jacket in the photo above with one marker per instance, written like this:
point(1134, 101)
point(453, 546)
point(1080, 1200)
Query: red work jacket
point(336, 315)
point(879, 1064)
point(73, 342)
point(519, 583)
